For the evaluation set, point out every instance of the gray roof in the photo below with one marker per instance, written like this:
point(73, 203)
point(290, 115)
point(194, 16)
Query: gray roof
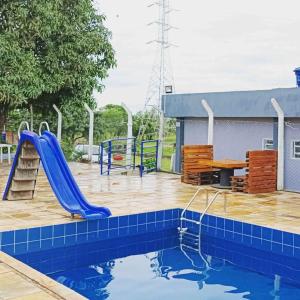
point(234, 104)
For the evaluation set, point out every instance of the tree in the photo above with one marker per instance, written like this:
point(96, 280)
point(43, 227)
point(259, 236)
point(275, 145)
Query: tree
point(148, 120)
point(54, 51)
point(110, 122)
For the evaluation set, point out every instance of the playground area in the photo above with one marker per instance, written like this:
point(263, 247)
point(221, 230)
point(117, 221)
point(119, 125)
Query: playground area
point(125, 195)
point(50, 203)
point(119, 185)
point(128, 194)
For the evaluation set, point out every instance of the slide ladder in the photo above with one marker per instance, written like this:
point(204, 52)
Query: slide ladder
point(25, 175)
point(32, 150)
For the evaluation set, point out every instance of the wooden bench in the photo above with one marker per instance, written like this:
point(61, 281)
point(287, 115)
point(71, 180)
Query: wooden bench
point(261, 173)
point(193, 171)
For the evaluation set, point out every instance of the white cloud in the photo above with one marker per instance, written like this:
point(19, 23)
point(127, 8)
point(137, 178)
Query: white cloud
point(223, 45)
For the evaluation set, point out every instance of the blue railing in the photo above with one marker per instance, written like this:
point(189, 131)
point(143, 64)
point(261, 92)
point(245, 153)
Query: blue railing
point(149, 155)
point(117, 154)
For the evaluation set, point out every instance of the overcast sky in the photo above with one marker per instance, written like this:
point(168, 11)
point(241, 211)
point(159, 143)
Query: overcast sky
point(223, 46)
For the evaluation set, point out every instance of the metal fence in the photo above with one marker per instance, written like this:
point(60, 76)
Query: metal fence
point(119, 153)
point(149, 154)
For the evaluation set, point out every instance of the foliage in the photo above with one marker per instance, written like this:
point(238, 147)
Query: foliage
point(77, 155)
point(52, 52)
point(110, 122)
point(150, 163)
point(58, 52)
point(150, 120)
point(67, 149)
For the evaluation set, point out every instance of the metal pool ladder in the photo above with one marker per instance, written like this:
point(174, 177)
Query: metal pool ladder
point(192, 240)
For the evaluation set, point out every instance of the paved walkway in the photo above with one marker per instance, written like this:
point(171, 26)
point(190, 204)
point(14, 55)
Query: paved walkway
point(131, 194)
point(123, 195)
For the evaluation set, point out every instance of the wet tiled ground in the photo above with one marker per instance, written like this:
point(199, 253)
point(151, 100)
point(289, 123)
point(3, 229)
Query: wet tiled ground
point(131, 194)
point(126, 194)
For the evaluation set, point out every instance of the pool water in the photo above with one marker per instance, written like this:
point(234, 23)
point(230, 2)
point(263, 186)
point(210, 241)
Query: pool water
point(154, 266)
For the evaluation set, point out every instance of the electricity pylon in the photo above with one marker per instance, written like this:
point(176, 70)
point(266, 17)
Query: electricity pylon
point(161, 76)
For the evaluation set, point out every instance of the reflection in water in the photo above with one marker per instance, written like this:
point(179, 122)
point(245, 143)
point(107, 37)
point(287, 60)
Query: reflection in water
point(205, 269)
point(157, 268)
point(93, 278)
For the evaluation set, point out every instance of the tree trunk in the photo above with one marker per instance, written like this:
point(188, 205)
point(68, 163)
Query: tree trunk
point(3, 116)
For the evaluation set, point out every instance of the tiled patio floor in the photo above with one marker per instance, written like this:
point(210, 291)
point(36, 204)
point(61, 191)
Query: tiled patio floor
point(131, 194)
point(125, 195)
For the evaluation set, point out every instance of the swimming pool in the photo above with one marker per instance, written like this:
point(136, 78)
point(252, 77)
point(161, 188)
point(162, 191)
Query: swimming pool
point(241, 259)
point(155, 265)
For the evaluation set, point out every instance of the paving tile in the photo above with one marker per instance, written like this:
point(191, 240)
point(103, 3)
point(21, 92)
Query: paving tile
point(36, 296)
point(129, 195)
point(13, 285)
point(4, 268)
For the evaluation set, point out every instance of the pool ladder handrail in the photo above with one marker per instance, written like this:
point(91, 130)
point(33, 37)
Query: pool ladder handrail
point(183, 231)
point(208, 205)
point(189, 204)
point(197, 238)
point(215, 196)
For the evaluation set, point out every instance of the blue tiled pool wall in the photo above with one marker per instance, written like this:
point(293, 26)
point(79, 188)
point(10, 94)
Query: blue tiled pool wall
point(252, 259)
point(72, 257)
point(258, 237)
point(48, 237)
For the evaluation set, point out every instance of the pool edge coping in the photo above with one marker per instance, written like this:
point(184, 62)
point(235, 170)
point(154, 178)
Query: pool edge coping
point(39, 279)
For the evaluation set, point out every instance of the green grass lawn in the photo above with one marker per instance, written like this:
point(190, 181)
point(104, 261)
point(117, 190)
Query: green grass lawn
point(168, 150)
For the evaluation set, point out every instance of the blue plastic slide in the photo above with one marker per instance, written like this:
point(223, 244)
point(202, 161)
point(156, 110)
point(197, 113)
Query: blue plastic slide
point(59, 176)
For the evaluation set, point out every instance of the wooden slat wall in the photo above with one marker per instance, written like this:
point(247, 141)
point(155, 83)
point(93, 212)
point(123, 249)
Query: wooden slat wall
point(261, 174)
point(191, 154)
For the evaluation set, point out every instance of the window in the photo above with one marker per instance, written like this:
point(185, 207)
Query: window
point(296, 149)
point(267, 144)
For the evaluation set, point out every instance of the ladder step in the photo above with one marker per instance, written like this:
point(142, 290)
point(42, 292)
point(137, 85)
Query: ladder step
point(26, 168)
point(190, 220)
point(191, 234)
point(190, 247)
point(23, 185)
point(26, 195)
point(29, 157)
point(28, 146)
point(25, 173)
point(21, 189)
point(184, 231)
point(190, 242)
point(28, 163)
point(190, 237)
point(24, 179)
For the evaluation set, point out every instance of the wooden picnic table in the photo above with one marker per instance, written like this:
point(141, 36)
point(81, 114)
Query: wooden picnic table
point(226, 167)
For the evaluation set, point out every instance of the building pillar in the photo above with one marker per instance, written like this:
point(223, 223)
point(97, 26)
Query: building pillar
point(210, 128)
point(275, 134)
point(179, 143)
point(280, 147)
